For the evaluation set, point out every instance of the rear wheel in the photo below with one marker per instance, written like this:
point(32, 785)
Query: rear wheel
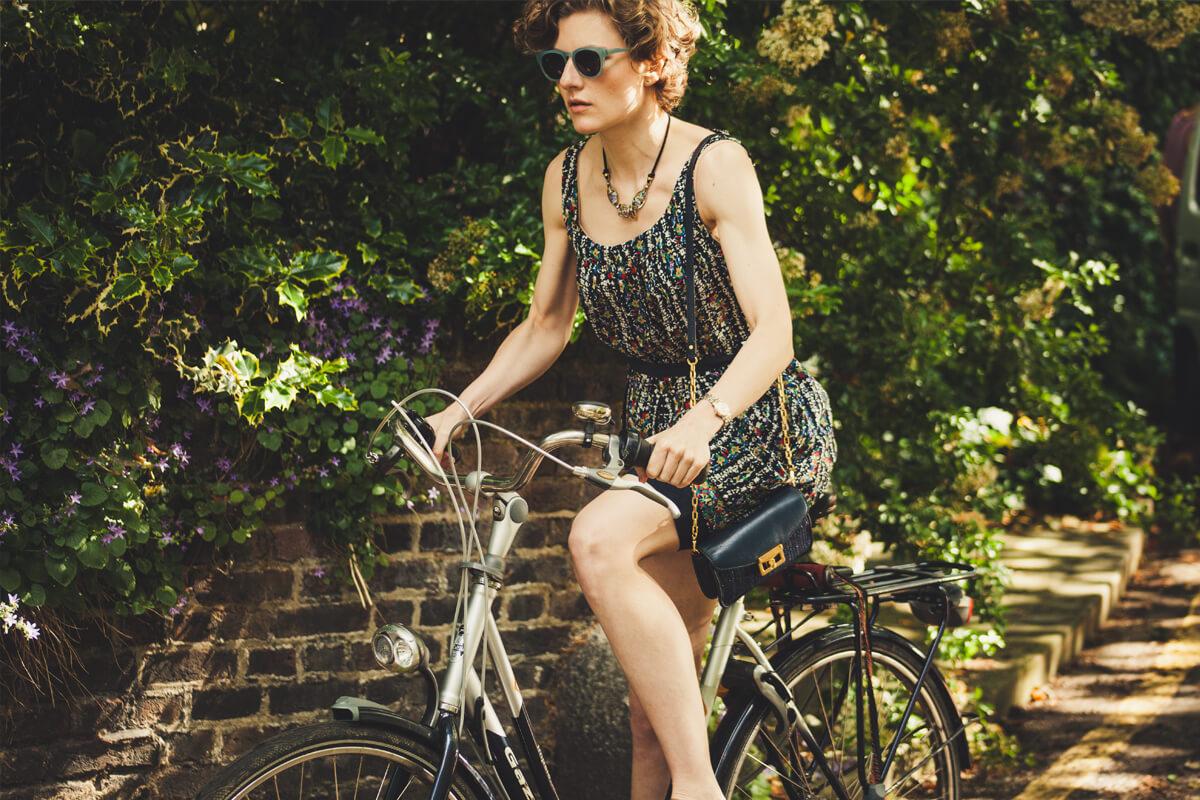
point(335, 760)
point(757, 758)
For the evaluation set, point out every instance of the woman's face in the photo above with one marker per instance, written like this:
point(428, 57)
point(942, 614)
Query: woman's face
point(613, 95)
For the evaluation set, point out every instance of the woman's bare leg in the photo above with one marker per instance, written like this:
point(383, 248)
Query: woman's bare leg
point(609, 538)
point(673, 572)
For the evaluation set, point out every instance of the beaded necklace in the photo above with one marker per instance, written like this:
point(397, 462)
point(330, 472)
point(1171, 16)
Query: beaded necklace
point(630, 211)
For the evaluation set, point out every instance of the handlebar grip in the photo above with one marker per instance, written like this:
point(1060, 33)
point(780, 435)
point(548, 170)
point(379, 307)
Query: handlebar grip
point(636, 452)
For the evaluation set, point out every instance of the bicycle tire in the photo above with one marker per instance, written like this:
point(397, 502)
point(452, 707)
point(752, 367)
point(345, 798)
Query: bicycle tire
point(746, 711)
point(240, 779)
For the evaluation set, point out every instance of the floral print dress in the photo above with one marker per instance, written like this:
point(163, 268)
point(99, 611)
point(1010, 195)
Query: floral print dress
point(634, 296)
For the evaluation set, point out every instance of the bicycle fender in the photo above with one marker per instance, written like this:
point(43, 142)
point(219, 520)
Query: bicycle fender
point(367, 712)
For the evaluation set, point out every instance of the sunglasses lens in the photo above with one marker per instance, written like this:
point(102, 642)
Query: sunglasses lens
point(553, 65)
point(588, 63)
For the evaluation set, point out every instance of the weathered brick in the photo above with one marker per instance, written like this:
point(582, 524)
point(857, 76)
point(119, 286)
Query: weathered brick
point(159, 711)
point(308, 696)
point(570, 604)
point(324, 587)
point(290, 542)
point(404, 694)
point(411, 572)
point(401, 611)
point(194, 626)
point(438, 610)
point(323, 657)
point(553, 568)
point(76, 758)
point(543, 531)
point(272, 662)
point(526, 606)
point(536, 640)
point(328, 618)
point(399, 537)
point(249, 586)
point(242, 622)
point(225, 703)
point(106, 671)
point(197, 744)
point(557, 493)
point(197, 662)
point(440, 536)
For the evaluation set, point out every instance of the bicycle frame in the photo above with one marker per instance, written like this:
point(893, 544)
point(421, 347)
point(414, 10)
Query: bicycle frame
point(509, 512)
point(462, 691)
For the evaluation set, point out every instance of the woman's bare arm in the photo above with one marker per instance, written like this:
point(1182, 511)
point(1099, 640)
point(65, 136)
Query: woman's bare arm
point(534, 345)
point(727, 187)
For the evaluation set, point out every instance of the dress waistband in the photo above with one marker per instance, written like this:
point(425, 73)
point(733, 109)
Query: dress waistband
point(677, 369)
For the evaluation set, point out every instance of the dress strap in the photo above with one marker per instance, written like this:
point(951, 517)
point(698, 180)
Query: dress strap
point(570, 184)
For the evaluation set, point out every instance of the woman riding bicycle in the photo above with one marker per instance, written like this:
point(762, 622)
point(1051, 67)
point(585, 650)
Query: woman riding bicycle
point(621, 69)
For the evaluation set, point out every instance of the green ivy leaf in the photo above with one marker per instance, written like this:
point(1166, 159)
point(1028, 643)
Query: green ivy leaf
point(333, 150)
point(122, 170)
point(62, 570)
point(292, 295)
point(36, 595)
point(126, 286)
point(17, 372)
point(10, 579)
point(39, 228)
point(319, 266)
point(166, 596)
point(93, 554)
point(336, 396)
point(364, 135)
point(54, 457)
point(93, 494)
point(271, 441)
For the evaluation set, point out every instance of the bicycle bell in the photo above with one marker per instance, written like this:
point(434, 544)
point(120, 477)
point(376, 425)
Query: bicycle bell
point(592, 411)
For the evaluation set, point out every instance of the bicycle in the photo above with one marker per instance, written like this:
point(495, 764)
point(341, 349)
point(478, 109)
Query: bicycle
point(803, 717)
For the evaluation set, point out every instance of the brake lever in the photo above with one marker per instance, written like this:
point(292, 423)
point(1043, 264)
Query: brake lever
point(606, 479)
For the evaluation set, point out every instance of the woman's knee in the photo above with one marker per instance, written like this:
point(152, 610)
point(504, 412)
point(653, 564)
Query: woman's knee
point(596, 550)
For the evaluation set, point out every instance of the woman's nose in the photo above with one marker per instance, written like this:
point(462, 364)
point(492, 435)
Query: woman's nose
point(570, 78)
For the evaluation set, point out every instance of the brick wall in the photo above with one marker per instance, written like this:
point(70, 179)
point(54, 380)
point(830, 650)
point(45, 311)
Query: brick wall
point(268, 644)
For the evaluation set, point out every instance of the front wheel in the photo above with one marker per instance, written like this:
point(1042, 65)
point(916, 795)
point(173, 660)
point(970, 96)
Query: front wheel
point(757, 758)
point(335, 759)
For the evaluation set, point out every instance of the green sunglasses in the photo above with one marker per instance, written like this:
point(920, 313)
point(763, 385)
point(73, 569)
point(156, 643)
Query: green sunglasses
point(588, 60)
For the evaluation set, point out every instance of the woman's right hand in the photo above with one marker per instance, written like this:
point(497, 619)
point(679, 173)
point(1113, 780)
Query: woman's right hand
point(442, 422)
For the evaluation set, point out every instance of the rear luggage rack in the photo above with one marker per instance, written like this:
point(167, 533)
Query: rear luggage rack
point(812, 583)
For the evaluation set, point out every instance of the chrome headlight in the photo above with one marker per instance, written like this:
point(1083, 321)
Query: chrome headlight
point(399, 649)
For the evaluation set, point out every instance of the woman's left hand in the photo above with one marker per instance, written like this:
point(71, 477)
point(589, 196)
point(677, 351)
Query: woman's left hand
point(680, 451)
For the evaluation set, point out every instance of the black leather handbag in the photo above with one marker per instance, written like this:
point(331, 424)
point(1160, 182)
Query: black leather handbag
point(732, 561)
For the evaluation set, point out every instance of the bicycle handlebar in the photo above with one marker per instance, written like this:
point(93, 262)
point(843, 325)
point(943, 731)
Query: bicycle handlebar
point(630, 449)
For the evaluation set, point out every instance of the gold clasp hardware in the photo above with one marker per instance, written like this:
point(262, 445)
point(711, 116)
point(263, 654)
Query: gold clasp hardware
point(770, 559)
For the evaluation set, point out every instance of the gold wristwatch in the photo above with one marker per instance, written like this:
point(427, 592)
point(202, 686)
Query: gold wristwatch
point(720, 406)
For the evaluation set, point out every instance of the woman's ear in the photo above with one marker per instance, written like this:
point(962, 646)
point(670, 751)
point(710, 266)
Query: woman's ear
point(652, 70)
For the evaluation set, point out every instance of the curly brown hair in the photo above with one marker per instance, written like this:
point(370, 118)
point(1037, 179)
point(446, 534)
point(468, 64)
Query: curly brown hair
point(652, 29)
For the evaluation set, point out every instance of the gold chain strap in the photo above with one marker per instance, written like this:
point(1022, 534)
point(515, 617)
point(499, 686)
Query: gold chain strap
point(787, 445)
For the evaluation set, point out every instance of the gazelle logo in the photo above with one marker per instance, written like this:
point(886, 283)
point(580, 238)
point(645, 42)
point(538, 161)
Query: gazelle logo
point(516, 768)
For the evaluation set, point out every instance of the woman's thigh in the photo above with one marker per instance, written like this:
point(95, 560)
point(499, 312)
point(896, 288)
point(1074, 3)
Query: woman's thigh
point(621, 525)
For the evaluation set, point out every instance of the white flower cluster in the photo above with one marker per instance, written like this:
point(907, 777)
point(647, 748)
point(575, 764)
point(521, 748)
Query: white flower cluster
point(8, 614)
